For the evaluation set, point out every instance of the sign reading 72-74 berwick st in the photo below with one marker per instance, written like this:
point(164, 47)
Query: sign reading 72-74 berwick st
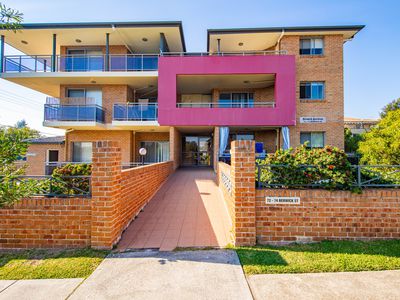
point(282, 200)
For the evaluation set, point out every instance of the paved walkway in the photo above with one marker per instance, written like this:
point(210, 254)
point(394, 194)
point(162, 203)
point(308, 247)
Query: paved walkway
point(187, 211)
point(177, 275)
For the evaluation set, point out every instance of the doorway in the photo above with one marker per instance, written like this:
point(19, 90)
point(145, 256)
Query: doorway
point(197, 151)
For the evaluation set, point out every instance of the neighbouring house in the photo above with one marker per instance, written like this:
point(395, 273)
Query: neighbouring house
point(359, 126)
point(44, 154)
point(134, 82)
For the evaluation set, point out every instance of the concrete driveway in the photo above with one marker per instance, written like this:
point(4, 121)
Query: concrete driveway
point(215, 274)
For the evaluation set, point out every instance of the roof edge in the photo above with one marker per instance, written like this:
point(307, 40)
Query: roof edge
point(280, 29)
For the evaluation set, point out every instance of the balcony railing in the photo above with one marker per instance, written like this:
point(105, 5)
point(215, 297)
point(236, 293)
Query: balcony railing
point(81, 63)
point(116, 62)
point(73, 113)
point(135, 112)
point(225, 104)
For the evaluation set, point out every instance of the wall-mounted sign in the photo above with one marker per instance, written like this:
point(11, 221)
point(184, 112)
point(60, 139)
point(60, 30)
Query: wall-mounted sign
point(312, 120)
point(30, 154)
point(282, 200)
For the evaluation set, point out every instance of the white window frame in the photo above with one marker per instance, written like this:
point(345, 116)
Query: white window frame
point(310, 145)
point(312, 45)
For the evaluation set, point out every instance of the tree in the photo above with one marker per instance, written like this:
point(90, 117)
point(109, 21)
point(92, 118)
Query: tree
point(13, 146)
point(351, 141)
point(382, 144)
point(394, 105)
point(10, 18)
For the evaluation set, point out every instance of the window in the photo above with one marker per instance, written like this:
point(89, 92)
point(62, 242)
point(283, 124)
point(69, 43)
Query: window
point(52, 156)
point(312, 90)
point(314, 139)
point(82, 151)
point(236, 100)
point(311, 46)
point(89, 96)
point(156, 151)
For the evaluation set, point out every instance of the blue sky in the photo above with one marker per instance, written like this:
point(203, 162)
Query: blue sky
point(371, 60)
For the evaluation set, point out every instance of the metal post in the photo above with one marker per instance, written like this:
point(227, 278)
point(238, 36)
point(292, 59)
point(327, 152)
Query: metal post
point(107, 62)
point(359, 175)
point(54, 56)
point(258, 176)
point(2, 39)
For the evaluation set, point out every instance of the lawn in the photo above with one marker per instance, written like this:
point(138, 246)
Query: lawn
point(338, 256)
point(35, 264)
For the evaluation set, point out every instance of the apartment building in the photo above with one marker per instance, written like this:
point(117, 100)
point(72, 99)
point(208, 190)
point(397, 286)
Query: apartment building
point(136, 83)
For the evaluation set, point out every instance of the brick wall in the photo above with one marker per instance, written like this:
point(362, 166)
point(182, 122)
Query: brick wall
point(124, 137)
point(37, 157)
point(117, 196)
point(138, 185)
point(328, 215)
point(321, 214)
point(226, 189)
point(327, 68)
point(269, 138)
point(46, 223)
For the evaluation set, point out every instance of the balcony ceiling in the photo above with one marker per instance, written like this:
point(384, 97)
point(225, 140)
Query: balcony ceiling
point(203, 84)
point(260, 39)
point(49, 83)
point(39, 37)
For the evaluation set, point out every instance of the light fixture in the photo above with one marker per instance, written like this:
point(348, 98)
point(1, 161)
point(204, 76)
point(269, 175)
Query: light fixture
point(246, 81)
point(144, 39)
point(93, 81)
point(151, 86)
point(78, 41)
point(24, 42)
point(240, 44)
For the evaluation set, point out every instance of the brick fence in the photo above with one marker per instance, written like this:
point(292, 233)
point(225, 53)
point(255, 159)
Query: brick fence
point(320, 215)
point(117, 197)
point(46, 223)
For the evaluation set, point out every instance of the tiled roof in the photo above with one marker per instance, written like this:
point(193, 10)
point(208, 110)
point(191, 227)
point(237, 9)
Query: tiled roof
point(48, 140)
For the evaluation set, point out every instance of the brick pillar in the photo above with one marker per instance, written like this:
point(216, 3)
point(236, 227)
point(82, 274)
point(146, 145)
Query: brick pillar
point(106, 186)
point(244, 191)
point(216, 148)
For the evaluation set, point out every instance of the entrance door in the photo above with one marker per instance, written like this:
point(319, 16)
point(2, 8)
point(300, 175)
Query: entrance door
point(197, 151)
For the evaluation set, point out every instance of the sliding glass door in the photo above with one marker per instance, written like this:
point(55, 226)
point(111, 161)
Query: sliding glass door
point(197, 151)
point(156, 151)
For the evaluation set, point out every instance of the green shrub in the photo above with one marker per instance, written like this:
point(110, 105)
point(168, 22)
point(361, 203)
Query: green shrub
point(62, 182)
point(327, 167)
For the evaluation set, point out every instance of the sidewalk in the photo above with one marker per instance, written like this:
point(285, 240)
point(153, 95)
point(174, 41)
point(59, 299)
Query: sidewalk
point(214, 274)
point(327, 286)
point(38, 289)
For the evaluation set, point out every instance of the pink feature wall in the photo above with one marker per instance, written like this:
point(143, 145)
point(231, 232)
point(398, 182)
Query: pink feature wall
point(283, 66)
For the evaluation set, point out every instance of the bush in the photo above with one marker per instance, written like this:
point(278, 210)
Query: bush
point(326, 167)
point(64, 184)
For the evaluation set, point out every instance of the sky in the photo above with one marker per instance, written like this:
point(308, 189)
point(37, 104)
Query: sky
point(371, 60)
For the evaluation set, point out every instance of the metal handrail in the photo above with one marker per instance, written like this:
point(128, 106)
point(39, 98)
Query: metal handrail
point(227, 53)
point(225, 104)
point(65, 62)
point(57, 112)
point(365, 176)
point(64, 186)
point(135, 111)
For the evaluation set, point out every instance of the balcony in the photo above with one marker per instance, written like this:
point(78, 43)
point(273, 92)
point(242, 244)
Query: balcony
point(135, 113)
point(81, 63)
point(67, 116)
